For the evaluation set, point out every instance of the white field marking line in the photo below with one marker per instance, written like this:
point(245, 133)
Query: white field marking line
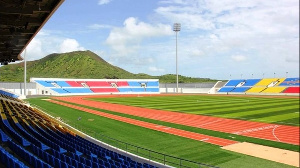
point(167, 128)
point(205, 139)
point(254, 129)
point(210, 122)
point(273, 132)
point(236, 100)
point(297, 112)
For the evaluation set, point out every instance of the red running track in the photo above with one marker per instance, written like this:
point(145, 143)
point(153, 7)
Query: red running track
point(273, 132)
point(174, 131)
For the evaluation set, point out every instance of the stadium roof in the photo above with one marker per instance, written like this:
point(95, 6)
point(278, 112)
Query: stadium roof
point(20, 21)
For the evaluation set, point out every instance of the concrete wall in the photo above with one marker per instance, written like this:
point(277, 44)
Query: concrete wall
point(18, 88)
point(186, 87)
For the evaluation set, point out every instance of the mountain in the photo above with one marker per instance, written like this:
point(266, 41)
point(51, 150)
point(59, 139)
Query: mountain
point(80, 65)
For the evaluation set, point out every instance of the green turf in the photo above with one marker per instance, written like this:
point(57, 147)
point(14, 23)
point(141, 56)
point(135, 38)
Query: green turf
point(154, 140)
point(270, 110)
point(204, 131)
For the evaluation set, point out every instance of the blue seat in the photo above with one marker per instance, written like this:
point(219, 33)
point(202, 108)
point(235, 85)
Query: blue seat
point(234, 82)
point(251, 82)
point(107, 165)
point(9, 160)
point(3, 136)
point(95, 165)
point(63, 164)
point(44, 83)
point(152, 89)
point(131, 83)
point(81, 165)
point(240, 89)
point(152, 84)
point(88, 162)
point(62, 83)
point(138, 89)
point(60, 90)
point(74, 163)
point(16, 135)
point(57, 163)
point(226, 89)
point(31, 138)
point(290, 82)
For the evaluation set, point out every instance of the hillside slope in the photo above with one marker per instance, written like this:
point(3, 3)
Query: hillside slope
point(80, 65)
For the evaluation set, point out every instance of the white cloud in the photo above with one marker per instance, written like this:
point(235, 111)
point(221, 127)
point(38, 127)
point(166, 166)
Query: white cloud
point(99, 26)
point(238, 58)
point(155, 69)
point(103, 2)
point(264, 33)
point(69, 45)
point(126, 40)
point(46, 42)
point(34, 50)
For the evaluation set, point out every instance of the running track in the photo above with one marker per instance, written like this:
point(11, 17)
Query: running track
point(178, 132)
point(273, 132)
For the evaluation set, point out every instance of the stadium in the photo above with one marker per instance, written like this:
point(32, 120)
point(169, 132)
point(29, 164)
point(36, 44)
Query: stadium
point(65, 122)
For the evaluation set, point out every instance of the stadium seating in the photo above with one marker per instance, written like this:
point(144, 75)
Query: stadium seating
point(251, 82)
point(103, 90)
point(98, 84)
point(292, 90)
point(234, 82)
point(44, 83)
point(41, 142)
point(62, 83)
point(74, 84)
point(88, 86)
point(290, 82)
point(9, 160)
point(266, 86)
point(240, 89)
point(6, 93)
point(226, 89)
point(274, 90)
point(256, 90)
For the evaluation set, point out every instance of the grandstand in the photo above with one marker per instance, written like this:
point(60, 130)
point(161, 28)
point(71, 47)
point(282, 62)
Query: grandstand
point(39, 141)
point(262, 86)
point(56, 86)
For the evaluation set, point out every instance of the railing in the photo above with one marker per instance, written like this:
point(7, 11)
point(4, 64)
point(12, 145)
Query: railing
point(134, 149)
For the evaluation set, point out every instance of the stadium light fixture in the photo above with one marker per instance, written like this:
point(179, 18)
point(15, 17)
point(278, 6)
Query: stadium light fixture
point(274, 74)
point(286, 74)
point(176, 29)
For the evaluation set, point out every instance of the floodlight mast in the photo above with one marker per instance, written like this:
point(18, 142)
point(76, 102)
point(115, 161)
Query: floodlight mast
point(176, 28)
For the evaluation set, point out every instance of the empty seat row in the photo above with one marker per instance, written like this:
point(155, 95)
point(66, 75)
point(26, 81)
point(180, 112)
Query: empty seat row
point(50, 145)
point(9, 160)
point(268, 85)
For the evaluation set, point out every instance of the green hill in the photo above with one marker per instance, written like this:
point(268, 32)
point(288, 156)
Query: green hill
point(78, 64)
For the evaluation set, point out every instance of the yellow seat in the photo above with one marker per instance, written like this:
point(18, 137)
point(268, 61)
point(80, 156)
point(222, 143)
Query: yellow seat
point(255, 90)
point(274, 90)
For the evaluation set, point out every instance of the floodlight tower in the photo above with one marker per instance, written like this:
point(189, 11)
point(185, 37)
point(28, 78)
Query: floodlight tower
point(176, 29)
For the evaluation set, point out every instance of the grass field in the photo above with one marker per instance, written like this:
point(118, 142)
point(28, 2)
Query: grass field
point(183, 147)
point(264, 109)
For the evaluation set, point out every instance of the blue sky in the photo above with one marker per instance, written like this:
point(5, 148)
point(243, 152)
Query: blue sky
point(218, 39)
